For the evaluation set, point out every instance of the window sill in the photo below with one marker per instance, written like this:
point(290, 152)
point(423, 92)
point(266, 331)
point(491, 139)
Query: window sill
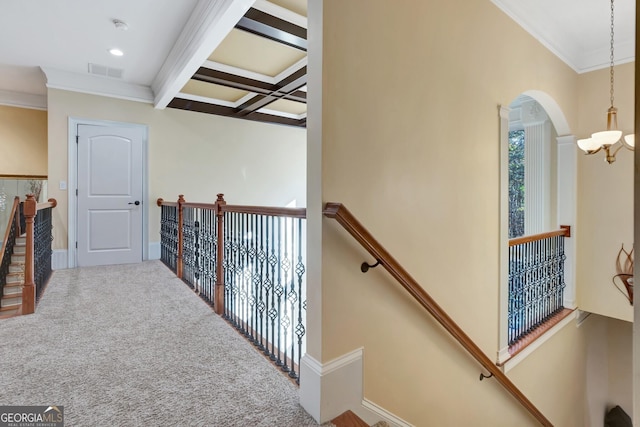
point(525, 346)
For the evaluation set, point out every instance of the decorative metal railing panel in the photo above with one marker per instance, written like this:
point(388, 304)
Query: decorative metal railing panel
point(169, 236)
point(248, 263)
point(536, 284)
point(265, 289)
point(199, 251)
point(42, 238)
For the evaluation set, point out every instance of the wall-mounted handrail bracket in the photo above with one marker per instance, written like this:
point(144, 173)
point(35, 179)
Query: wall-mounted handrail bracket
point(483, 376)
point(364, 267)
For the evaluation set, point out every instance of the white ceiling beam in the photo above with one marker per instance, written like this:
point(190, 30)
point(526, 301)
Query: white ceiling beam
point(208, 25)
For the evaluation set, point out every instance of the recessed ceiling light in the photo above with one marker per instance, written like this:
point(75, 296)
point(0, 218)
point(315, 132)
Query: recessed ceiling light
point(116, 52)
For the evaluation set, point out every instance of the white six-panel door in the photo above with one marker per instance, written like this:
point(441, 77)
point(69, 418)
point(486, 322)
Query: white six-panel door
point(110, 182)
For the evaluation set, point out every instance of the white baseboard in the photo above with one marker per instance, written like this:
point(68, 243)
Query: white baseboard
point(327, 390)
point(154, 250)
point(375, 413)
point(59, 259)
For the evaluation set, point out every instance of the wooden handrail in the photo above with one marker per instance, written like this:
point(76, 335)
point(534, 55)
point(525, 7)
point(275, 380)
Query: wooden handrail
point(7, 233)
point(162, 202)
point(252, 210)
point(565, 230)
point(51, 203)
point(362, 235)
point(220, 207)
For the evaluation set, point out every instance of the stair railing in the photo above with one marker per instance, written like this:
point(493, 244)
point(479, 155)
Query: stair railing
point(247, 262)
point(536, 281)
point(37, 268)
point(12, 231)
point(345, 218)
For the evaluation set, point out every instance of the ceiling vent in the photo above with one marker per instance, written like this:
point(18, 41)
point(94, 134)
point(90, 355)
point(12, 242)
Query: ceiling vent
point(104, 71)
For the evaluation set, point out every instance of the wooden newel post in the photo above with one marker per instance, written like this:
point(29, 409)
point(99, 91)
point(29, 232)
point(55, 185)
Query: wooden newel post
point(218, 300)
point(29, 289)
point(181, 201)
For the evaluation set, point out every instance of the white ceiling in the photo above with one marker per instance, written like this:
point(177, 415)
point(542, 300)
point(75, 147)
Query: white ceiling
point(66, 35)
point(69, 34)
point(578, 31)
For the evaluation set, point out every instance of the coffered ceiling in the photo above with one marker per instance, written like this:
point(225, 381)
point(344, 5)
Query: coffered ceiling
point(239, 58)
point(258, 71)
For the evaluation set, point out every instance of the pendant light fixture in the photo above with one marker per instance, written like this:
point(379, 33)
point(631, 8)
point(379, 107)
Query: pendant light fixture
point(610, 140)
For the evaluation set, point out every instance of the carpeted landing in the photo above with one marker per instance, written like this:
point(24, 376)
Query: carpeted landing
point(131, 345)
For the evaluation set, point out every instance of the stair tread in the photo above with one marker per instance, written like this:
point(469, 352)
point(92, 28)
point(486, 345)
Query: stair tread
point(10, 307)
point(349, 419)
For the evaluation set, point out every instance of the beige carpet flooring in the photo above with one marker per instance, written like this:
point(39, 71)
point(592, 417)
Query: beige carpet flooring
point(133, 346)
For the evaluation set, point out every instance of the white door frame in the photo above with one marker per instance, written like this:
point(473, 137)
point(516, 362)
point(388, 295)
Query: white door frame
point(72, 185)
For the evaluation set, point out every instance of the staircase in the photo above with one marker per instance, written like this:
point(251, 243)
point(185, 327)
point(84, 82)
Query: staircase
point(11, 299)
point(349, 419)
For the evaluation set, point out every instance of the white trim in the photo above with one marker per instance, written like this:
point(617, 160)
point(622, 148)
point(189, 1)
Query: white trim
point(230, 69)
point(515, 360)
point(59, 259)
point(23, 100)
point(379, 412)
point(340, 362)
point(328, 390)
point(503, 234)
point(229, 104)
point(95, 85)
point(206, 99)
point(245, 98)
point(503, 355)
point(154, 250)
point(291, 69)
point(72, 171)
point(282, 113)
point(567, 208)
point(281, 12)
point(582, 317)
point(208, 25)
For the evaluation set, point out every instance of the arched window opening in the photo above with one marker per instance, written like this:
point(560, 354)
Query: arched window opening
point(538, 170)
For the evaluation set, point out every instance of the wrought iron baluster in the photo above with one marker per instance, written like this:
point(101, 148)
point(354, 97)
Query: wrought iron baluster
point(263, 275)
point(285, 320)
point(274, 310)
point(253, 276)
point(300, 329)
point(536, 283)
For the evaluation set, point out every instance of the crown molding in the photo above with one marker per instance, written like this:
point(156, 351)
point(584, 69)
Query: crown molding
point(561, 43)
point(23, 100)
point(93, 85)
point(208, 25)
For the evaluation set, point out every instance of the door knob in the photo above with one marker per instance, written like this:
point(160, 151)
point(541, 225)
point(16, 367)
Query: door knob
point(137, 202)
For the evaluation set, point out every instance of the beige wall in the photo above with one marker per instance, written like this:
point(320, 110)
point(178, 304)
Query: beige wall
point(23, 141)
point(194, 154)
point(605, 197)
point(410, 144)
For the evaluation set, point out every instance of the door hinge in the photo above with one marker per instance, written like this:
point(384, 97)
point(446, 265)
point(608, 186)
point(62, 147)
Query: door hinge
point(76, 245)
point(77, 137)
point(76, 191)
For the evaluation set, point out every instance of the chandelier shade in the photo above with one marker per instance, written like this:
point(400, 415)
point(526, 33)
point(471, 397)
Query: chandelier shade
point(610, 140)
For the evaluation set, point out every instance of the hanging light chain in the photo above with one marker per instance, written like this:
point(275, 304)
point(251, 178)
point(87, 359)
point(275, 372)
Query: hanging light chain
point(611, 57)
